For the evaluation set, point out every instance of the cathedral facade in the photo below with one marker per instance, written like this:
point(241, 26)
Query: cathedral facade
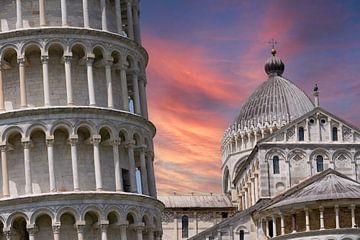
point(76, 144)
point(291, 167)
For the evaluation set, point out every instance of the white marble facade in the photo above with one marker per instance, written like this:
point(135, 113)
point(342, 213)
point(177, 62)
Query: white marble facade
point(291, 167)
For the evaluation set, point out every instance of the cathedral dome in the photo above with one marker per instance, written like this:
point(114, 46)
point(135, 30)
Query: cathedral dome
point(275, 102)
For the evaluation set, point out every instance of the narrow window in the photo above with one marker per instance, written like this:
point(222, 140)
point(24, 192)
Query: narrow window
point(270, 228)
point(319, 163)
point(224, 215)
point(126, 180)
point(185, 226)
point(334, 134)
point(301, 134)
point(242, 235)
point(276, 166)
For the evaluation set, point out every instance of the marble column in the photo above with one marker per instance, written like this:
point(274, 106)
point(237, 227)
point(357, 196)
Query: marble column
point(293, 220)
point(130, 148)
point(19, 21)
point(4, 171)
point(340, 137)
point(151, 173)
point(27, 167)
point(151, 234)
point(135, 84)
point(97, 164)
point(42, 13)
point(50, 152)
point(110, 101)
point(274, 225)
point(256, 186)
point(330, 130)
point(56, 232)
point(124, 88)
point(69, 92)
point(32, 231)
point(137, 35)
point(2, 103)
point(23, 97)
point(139, 233)
point(246, 198)
point(74, 162)
point(123, 228)
point(143, 169)
point(282, 224)
point(337, 217)
point(143, 101)
point(86, 14)
point(130, 19)
point(64, 13)
point(118, 174)
point(90, 77)
point(353, 220)
point(103, 229)
point(118, 16)
point(103, 15)
point(307, 219)
point(322, 225)
point(45, 69)
point(80, 232)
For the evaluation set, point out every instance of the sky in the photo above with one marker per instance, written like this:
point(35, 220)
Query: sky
point(207, 57)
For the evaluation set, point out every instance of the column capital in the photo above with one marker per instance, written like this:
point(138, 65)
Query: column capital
point(90, 59)
point(26, 143)
point(115, 142)
point(124, 224)
point(32, 230)
point(3, 148)
point(109, 61)
point(21, 60)
point(130, 144)
point(50, 141)
point(134, 71)
point(142, 148)
point(73, 140)
point(45, 59)
point(96, 139)
point(352, 206)
point(150, 154)
point(67, 58)
point(56, 229)
point(80, 228)
point(104, 227)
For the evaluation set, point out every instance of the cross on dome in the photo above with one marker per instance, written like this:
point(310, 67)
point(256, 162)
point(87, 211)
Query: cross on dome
point(272, 42)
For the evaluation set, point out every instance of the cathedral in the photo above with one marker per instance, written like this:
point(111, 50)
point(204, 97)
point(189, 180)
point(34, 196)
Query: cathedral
point(290, 168)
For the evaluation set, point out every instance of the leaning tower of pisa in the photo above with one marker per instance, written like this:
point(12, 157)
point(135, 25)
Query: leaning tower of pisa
point(76, 144)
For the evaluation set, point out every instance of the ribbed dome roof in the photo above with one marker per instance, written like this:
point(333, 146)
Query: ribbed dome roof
point(277, 100)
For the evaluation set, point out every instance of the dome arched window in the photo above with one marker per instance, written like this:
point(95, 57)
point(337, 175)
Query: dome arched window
point(185, 226)
point(301, 134)
point(334, 134)
point(276, 165)
point(319, 163)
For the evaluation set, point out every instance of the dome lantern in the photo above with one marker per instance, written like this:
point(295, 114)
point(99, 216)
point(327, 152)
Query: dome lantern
point(274, 65)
